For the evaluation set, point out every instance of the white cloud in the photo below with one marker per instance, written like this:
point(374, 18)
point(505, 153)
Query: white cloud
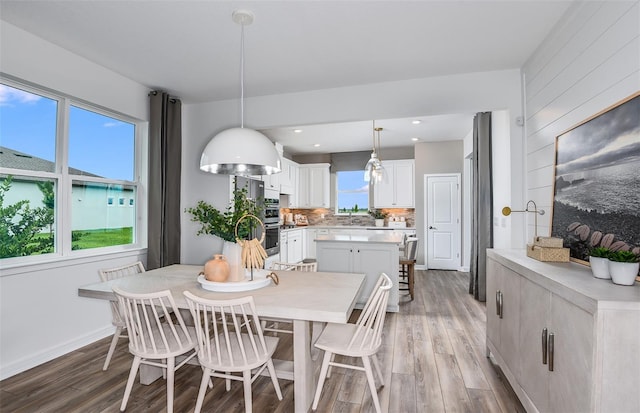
point(111, 124)
point(10, 96)
point(363, 189)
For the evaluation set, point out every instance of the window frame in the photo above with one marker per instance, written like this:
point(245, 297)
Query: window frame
point(64, 180)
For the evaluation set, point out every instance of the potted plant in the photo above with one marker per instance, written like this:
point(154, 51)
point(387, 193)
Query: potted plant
point(379, 216)
point(599, 260)
point(223, 225)
point(624, 266)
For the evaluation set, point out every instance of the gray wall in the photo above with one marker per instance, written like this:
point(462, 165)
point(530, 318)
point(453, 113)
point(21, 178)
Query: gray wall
point(434, 158)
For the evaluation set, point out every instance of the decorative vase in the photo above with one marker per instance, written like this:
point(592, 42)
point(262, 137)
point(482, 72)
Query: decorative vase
point(233, 252)
point(600, 267)
point(624, 273)
point(217, 269)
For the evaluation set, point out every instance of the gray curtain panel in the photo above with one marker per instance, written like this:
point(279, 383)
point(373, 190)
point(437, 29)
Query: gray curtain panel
point(482, 205)
point(165, 152)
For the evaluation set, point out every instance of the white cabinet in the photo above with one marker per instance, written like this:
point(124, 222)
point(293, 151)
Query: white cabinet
point(291, 245)
point(576, 336)
point(396, 190)
point(272, 181)
point(288, 178)
point(362, 257)
point(310, 235)
point(313, 186)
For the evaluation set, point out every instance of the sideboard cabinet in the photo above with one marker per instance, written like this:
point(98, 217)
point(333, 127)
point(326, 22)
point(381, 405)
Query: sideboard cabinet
point(567, 342)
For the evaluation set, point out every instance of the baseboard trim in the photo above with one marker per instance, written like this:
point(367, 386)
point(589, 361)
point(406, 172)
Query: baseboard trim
point(26, 363)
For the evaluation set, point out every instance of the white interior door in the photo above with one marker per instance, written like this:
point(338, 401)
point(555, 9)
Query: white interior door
point(443, 221)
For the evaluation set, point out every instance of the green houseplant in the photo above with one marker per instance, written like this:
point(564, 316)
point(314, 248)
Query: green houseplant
point(599, 261)
point(379, 216)
point(223, 225)
point(624, 266)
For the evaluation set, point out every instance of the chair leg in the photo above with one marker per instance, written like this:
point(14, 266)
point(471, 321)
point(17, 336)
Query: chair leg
point(171, 371)
point(333, 357)
point(248, 400)
point(274, 378)
point(328, 356)
point(227, 382)
point(132, 376)
point(206, 378)
point(112, 347)
point(372, 383)
point(411, 279)
point(376, 366)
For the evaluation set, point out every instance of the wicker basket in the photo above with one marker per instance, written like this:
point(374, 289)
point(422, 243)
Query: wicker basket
point(548, 242)
point(548, 254)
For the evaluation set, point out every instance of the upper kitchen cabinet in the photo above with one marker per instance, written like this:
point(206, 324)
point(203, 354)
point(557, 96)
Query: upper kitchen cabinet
point(288, 177)
point(396, 190)
point(313, 186)
point(272, 181)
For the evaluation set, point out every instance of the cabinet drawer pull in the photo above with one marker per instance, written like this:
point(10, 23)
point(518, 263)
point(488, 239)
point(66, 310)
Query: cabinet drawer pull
point(498, 303)
point(544, 346)
point(551, 336)
point(501, 303)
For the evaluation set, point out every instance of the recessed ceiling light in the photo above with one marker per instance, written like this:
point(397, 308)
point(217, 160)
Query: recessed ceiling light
point(316, 145)
point(297, 130)
point(415, 139)
point(416, 122)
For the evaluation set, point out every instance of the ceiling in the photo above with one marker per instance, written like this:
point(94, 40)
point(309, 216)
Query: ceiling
point(192, 49)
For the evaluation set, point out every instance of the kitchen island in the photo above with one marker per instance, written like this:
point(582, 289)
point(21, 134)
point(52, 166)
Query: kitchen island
point(362, 251)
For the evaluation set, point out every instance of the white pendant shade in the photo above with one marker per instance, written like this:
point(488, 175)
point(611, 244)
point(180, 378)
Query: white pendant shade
point(240, 151)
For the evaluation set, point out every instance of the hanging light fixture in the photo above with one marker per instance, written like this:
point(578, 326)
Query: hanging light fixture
point(373, 170)
point(241, 151)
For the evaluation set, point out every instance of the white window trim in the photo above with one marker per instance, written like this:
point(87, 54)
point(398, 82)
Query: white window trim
point(63, 251)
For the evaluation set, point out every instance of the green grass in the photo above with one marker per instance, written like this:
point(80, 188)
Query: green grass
point(96, 238)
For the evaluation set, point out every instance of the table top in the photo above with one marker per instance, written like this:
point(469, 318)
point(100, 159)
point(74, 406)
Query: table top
point(309, 296)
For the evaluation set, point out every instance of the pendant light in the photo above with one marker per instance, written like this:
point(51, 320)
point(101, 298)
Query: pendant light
point(373, 170)
point(241, 151)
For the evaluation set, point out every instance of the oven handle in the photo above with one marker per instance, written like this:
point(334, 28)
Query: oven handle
point(271, 226)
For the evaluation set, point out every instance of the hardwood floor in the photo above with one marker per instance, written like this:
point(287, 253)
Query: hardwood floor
point(433, 360)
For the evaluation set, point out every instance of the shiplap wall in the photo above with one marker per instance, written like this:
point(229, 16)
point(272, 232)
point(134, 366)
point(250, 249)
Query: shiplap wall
point(589, 62)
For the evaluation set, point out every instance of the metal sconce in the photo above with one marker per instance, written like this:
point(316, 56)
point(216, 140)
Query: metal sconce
point(506, 211)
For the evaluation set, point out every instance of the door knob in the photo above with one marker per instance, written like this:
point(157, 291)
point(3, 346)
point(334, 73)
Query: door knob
point(430, 227)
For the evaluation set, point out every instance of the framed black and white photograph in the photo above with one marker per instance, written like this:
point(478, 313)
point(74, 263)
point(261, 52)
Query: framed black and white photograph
point(596, 200)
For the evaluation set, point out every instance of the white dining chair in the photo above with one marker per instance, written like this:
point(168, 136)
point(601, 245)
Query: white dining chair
point(157, 335)
point(362, 339)
point(230, 340)
point(116, 318)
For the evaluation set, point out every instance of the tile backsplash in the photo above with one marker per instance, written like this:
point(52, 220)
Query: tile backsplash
point(328, 217)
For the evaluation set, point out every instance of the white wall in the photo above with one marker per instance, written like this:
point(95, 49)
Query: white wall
point(466, 93)
point(586, 64)
point(501, 172)
point(41, 315)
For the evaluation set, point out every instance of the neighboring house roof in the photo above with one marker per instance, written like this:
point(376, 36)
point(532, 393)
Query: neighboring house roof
point(10, 158)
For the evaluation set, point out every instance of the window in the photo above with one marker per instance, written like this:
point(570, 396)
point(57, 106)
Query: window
point(353, 192)
point(100, 166)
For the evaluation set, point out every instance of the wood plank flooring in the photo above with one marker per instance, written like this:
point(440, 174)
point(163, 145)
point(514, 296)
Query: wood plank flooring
point(432, 359)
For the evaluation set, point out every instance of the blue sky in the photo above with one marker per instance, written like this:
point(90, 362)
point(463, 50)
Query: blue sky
point(352, 189)
point(98, 144)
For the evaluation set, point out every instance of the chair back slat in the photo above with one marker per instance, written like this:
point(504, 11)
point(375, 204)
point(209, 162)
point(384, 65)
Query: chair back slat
point(119, 272)
point(411, 249)
point(368, 334)
point(228, 331)
point(148, 318)
point(289, 266)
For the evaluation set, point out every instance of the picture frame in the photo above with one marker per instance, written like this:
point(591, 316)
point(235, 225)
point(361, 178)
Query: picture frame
point(596, 193)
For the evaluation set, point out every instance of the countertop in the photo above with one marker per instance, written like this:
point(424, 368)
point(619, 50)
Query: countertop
point(363, 235)
point(350, 228)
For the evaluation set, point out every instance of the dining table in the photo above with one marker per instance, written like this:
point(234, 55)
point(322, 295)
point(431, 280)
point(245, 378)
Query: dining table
point(306, 298)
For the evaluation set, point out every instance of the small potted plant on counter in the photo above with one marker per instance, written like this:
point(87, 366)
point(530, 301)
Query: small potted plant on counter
point(599, 260)
point(624, 266)
point(379, 216)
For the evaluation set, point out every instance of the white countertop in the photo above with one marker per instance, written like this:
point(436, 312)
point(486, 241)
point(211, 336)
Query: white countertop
point(363, 235)
point(349, 228)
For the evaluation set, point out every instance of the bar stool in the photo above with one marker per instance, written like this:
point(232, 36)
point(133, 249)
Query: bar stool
point(407, 264)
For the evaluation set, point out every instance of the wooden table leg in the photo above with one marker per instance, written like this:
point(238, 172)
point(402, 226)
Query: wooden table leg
point(304, 382)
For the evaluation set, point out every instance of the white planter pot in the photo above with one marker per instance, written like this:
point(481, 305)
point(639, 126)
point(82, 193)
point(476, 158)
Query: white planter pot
point(624, 273)
point(233, 253)
point(379, 222)
point(600, 267)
